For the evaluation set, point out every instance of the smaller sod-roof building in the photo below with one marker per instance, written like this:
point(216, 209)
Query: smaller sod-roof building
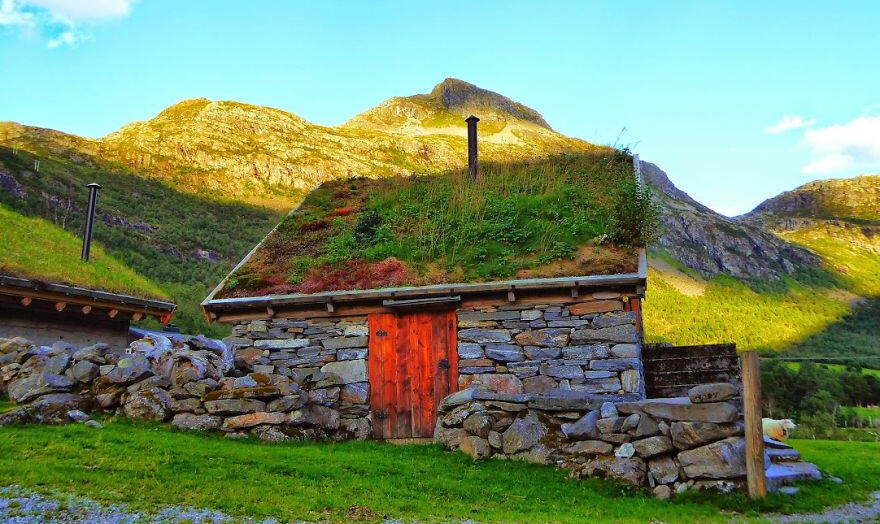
point(406, 289)
point(47, 293)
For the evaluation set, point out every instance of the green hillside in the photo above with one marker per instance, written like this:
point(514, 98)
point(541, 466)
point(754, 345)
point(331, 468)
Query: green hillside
point(181, 242)
point(35, 248)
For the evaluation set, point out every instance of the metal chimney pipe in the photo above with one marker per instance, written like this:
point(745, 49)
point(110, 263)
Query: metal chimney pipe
point(472, 147)
point(90, 220)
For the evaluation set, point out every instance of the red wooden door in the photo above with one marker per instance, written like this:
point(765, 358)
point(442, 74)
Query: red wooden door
point(413, 364)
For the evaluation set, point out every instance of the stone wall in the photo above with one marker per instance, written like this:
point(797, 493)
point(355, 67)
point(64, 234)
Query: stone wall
point(326, 357)
point(264, 388)
point(670, 445)
point(536, 349)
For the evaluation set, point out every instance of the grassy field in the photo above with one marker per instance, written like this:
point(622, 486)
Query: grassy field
point(147, 466)
point(35, 248)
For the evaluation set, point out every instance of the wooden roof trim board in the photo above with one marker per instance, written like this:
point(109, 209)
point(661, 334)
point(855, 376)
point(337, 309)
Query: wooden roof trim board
point(21, 287)
point(637, 279)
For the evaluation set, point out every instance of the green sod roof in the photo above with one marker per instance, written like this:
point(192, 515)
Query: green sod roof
point(568, 215)
point(36, 249)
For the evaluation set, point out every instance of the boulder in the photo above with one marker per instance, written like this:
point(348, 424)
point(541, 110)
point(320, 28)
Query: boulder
point(589, 447)
point(626, 450)
point(456, 399)
point(484, 336)
point(476, 447)
point(723, 459)
point(622, 334)
point(315, 416)
point(662, 492)
point(588, 352)
point(253, 419)
point(608, 410)
point(57, 364)
point(686, 435)
point(627, 470)
point(504, 352)
point(357, 393)
point(450, 437)
point(84, 371)
point(355, 428)
point(270, 434)
point(681, 408)
point(553, 337)
point(615, 364)
point(495, 382)
point(25, 389)
point(523, 434)
point(538, 384)
point(234, 406)
point(62, 402)
point(130, 370)
point(94, 353)
point(631, 381)
point(716, 392)
point(349, 371)
point(651, 446)
point(467, 350)
point(542, 353)
point(148, 404)
point(478, 424)
point(664, 470)
point(191, 421)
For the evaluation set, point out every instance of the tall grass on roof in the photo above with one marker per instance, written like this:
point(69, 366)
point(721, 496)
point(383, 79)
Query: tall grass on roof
point(559, 216)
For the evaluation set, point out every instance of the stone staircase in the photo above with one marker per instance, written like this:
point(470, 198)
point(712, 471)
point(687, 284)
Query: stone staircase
point(783, 465)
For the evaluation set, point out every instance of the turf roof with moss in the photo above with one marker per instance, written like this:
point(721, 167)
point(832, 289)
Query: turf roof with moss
point(36, 249)
point(569, 215)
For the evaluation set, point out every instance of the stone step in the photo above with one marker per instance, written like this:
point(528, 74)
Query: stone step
point(770, 443)
point(778, 455)
point(779, 475)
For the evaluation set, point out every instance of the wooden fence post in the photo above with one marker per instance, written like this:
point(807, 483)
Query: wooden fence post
point(751, 378)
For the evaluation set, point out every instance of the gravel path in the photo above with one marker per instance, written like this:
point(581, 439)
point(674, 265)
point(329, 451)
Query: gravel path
point(852, 512)
point(18, 505)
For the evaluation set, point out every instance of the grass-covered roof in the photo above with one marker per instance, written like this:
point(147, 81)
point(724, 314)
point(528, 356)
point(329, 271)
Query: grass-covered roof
point(36, 249)
point(569, 215)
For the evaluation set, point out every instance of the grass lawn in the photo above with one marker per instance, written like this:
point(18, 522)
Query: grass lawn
point(147, 465)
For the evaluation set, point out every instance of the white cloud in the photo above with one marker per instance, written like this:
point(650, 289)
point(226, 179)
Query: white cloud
point(853, 145)
point(788, 123)
point(62, 22)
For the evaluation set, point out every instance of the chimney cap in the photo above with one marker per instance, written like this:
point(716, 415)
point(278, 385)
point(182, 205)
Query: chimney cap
point(95, 185)
point(472, 118)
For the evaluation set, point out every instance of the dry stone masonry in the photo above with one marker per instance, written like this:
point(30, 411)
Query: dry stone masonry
point(536, 349)
point(273, 390)
point(669, 445)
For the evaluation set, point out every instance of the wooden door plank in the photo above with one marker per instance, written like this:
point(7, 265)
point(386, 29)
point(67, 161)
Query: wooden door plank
point(403, 419)
point(377, 354)
point(424, 422)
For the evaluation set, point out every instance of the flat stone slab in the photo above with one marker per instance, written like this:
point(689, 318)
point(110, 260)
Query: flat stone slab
point(779, 475)
point(682, 409)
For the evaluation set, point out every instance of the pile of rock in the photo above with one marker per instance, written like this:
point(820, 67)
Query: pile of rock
point(670, 445)
point(194, 384)
point(540, 348)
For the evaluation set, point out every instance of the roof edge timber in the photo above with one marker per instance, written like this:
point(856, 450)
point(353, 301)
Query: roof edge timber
point(620, 279)
point(24, 287)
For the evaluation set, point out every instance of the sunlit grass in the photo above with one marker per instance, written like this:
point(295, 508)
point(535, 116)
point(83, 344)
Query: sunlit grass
point(37, 249)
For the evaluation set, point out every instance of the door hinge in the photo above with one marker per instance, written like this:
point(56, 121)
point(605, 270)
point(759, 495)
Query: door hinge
point(380, 414)
point(443, 364)
point(381, 333)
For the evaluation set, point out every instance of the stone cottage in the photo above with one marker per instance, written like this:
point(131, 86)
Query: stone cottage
point(400, 341)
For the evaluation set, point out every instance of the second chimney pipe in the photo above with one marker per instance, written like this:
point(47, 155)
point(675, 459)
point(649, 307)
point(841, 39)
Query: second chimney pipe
point(472, 147)
point(90, 220)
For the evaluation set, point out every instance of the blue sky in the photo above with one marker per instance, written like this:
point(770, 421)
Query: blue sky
point(736, 102)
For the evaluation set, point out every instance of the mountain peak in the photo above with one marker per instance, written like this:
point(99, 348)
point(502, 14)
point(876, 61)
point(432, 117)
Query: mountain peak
point(459, 96)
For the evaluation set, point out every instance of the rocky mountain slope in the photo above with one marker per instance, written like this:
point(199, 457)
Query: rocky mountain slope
point(251, 152)
point(712, 244)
